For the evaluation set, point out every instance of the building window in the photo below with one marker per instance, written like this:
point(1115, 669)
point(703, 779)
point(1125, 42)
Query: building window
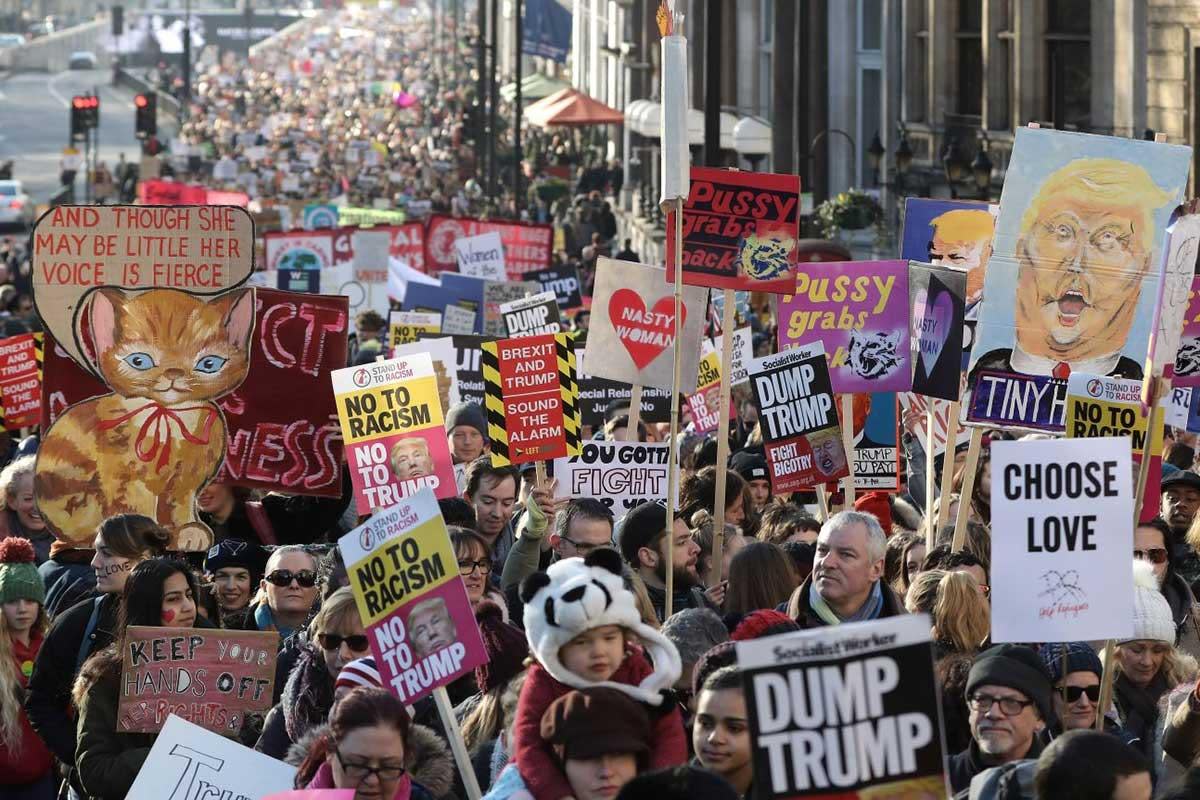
point(968, 45)
point(916, 57)
point(869, 71)
point(1069, 64)
point(766, 57)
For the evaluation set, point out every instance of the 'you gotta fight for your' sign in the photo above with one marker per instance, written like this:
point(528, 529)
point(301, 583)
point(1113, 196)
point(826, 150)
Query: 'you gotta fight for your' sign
point(1063, 571)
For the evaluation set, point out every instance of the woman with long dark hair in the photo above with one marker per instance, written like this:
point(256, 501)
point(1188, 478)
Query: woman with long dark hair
point(760, 576)
point(158, 593)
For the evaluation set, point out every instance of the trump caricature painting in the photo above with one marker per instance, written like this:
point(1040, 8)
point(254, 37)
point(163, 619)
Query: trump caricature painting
point(1073, 277)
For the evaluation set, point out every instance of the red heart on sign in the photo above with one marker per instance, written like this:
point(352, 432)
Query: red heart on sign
point(645, 333)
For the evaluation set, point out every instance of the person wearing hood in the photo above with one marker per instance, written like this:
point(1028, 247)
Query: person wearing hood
point(1008, 694)
point(427, 757)
point(846, 584)
point(601, 739)
point(1147, 664)
point(1151, 543)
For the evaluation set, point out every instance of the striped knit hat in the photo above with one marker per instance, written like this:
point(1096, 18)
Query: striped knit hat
point(359, 672)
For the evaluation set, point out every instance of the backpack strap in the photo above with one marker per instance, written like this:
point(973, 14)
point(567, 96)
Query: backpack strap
point(85, 644)
point(260, 522)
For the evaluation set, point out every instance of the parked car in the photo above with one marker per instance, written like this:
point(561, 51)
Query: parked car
point(82, 59)
point(43, 28)
point(16, 207)
point(11, 40)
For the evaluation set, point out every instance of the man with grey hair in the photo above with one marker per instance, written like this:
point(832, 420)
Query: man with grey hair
point(846, 584)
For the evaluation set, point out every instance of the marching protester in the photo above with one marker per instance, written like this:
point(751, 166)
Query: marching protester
point(1091, 766)
point(475, 567)
point(158, 592)
point(645, 543)
point(287, 592)
point(721, 730)
point(21, 517)
point(1151, 542)
point(1180, 501)
point(235, 569)
point(1076, 671)
point(493, 492)
point(26, 764)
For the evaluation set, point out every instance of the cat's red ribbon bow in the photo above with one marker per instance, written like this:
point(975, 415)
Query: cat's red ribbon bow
point(156, 432)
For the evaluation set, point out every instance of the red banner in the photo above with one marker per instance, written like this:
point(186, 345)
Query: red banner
point(293, 446)
point(343, 247)
point(527, 247)
point(739, 231)
point(408, 244)
point(21, 380)
point(170, 193)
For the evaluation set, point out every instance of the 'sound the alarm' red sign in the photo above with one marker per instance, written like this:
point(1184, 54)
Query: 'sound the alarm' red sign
point(21, 380)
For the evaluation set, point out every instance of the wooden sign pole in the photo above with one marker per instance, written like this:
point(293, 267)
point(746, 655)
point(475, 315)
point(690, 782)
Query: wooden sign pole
point(848, 444)
point(673, 443)
point(930, 476)
point(968, 487)
point(822, 503)
point(1106, 682)
point(718, 550)
point(457, 746)
point(635, 413)
point(947, 483)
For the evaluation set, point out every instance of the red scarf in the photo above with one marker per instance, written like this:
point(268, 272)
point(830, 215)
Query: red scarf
point(24, 654)
point(155, 435)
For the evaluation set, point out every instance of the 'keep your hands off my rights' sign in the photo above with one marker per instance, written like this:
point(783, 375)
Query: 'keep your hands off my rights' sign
point(414, 605)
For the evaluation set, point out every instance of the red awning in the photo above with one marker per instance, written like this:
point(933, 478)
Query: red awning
point(571, 107)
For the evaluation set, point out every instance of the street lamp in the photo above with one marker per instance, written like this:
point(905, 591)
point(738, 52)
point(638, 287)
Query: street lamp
point(981, 167)
point(875, 153)
point(904, 153)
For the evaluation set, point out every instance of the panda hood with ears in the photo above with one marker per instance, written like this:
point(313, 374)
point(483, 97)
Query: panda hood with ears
point(577, 594)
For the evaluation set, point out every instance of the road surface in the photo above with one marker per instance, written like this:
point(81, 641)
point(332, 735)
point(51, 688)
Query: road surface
point(35, 125)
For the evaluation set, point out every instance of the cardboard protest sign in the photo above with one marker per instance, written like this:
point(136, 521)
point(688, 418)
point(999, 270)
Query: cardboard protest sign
point(597, 394)
point(742, 353)
point(441, 351)
point(952, 233)
point(1063, 573)
point(1175, 406)
point(876, 441)
point(188, 762)
point(1187, 359)
point(408, 244)
point(1073, 279)
point(859, 311)
point(371, 255)
point(621, 475)
point(1174, 292)
point(20, 381)
point(633, 324)
point(936, 314)
point(739, 230)
point(468, 366)
point(210, 677)
point(168, 353)
point(481, 256)
point(392, 417)
point(407, 326)
point(531, 316)
point(563, 282)
point(299, 250)
point(705, 403)
point(293, 447)
point(845, 711)
point(914, 416)
point(527, 247)
point(497, 294)
point(299, 280)
point(456, 319)
point(405, 580)
point(798, 415)
point(320, 215)
point(532, 398)
point(1099, 406)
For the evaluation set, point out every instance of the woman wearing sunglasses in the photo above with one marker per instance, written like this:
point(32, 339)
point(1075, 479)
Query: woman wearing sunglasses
point(365, 749)
point(1077, 692)
point(287, 592)
point(475, 566)
point(160, 593)
point(335, 638)
point(1151, 543)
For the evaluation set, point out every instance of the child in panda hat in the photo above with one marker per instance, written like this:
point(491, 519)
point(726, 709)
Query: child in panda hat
point(580, 621)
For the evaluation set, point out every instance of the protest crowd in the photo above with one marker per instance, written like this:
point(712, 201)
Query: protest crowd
point(889, 604)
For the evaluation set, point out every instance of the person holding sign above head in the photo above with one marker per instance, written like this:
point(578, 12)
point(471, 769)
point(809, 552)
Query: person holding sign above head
point(159, 593)
point(846, 584)
point(580, 620)
point(1008, 693)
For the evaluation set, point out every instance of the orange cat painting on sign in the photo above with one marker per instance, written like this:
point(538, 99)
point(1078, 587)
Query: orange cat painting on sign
point(150, 446)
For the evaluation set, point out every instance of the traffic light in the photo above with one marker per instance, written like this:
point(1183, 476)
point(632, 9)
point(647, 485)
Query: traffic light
point(146, 119)
point(85, 114)
point(118, 20)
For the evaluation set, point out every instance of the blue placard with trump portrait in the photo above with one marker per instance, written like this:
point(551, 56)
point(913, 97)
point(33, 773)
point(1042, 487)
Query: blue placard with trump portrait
point(1073, 275)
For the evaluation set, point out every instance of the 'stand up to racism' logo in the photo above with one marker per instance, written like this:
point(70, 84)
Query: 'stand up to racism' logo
point(362, 377)
point(368, 538)
point(1095, 387)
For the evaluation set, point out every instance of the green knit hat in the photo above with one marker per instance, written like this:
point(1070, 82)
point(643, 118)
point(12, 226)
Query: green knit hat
point(19, 578)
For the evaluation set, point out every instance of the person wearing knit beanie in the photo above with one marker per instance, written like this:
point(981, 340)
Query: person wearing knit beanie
point(877, 504)
point(1008, 694)
point(693, 631)
point(1152, 617)
point(1077, 692)
point(678, 783)
point(19, 578)
point(356, 673)
point(764, 622)
point(506, 646)
point(721, 655)
point(466, 432)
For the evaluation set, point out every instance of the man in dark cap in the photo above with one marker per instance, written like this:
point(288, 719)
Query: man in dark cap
point(1180, 501)
point(646, 546)
point(1009, 697)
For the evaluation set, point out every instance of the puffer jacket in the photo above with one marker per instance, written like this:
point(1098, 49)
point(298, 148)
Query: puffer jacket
point(429, 760)
point(305, 703)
